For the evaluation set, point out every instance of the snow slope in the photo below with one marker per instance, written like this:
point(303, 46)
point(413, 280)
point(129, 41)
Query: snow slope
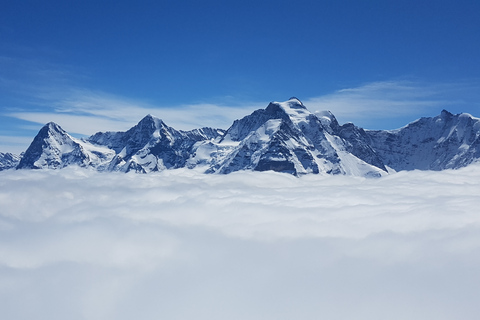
point(446, 141)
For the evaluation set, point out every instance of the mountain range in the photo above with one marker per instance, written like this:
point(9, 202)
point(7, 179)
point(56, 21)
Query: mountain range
point(283, 137)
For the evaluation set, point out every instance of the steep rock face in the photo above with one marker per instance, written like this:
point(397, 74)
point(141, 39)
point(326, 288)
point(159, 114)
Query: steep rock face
point(358, 143)
point(8, 160)
point(272, 146)
point(151, 145)
point(286, 137)
point(53, 148)
point(446, 141)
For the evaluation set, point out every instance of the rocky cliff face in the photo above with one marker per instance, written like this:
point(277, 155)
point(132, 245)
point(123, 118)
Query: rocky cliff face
point(151, 145)
point(8, 160)
point(443, 142)
point(53, 148)
point(286, 137)
point(283, 137)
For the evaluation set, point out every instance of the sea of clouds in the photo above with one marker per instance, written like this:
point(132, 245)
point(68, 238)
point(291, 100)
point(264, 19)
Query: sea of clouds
point(78, 244)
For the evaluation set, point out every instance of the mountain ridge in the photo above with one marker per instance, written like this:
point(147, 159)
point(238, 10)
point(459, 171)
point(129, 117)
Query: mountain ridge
point(284, 137)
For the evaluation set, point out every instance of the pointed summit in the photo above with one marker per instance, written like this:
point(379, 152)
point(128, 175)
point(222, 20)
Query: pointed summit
point(51, 148)
point(287, 106)
point(294, 102)
point(445, 114)
point(291, 110)
point(51, 128)
point(150, 122)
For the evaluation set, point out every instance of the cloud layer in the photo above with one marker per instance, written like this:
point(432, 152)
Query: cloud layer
point(181, 245)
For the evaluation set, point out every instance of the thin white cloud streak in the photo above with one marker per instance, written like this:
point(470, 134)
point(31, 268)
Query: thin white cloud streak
point(86, 112)
point(80, 244)
point(84, 125)
point(14, 144)
point(378, 105)
point(48, 92)
point(384, 101)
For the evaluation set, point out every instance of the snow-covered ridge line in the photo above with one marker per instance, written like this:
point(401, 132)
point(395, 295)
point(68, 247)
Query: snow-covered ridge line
point(283, 137)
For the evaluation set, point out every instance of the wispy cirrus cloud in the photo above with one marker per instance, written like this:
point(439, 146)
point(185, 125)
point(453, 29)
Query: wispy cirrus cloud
point(52, 95)
point(86, 112)
point(390, 104)
point(41, 92)
point(387, 105)
point(14, 144)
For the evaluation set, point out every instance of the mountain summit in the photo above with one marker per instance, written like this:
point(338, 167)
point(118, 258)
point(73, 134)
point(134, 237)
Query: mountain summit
point(53, 148)
point(287, 137)
point(283, 137)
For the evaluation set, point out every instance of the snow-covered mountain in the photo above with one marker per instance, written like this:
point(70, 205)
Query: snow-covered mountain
point(8, 160)
point(53, 148)
point(151, 145)
point(284, 137)
point(443, 142)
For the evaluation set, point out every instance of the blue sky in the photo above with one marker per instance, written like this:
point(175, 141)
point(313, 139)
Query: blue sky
point(103, 65)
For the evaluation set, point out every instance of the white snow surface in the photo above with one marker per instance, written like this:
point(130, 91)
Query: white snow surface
point(295, 110)
point(179, 244)
point(62, 145)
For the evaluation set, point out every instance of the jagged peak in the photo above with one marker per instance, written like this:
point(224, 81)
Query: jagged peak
point(292, 103)
point(445, 114)
point(295, 103)
point(150, 120)
point(53, 126)
point(326, 117)
point(295, 100)
point(49, 128)
point(292, 108)
point(325, 114)
point(9, 155)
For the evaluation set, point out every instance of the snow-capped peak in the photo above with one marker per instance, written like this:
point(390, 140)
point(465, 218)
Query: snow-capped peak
point(151, 121)
point(295, 101)
point(52, 127)
point(293, 108)
point(326, 117)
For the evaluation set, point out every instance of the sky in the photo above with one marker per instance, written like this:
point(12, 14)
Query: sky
point(180, 244)
point(103, 65)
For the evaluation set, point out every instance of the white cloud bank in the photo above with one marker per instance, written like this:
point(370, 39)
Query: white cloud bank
point(77, 244)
